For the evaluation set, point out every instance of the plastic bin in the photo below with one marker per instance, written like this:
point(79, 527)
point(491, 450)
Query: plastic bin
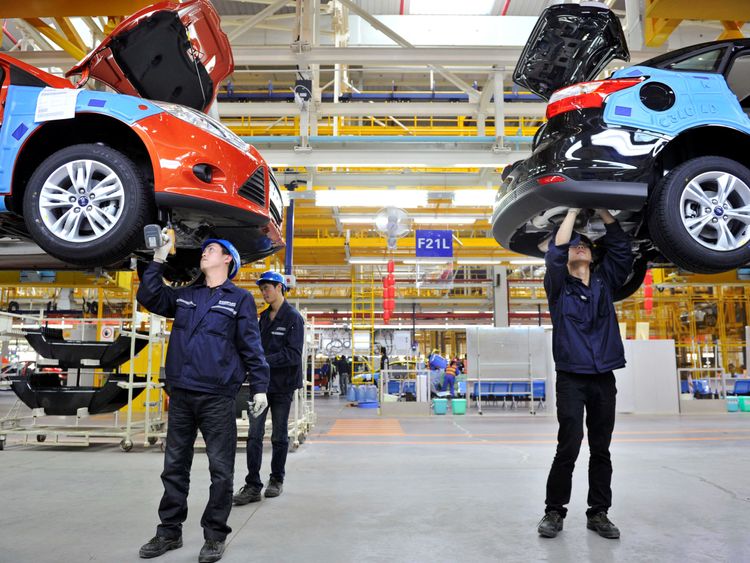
point(744, 404)
point(440, 406)
point(351, 394)
point(371, 393)
point(361, 393)
point(458, 406)
point(733, 404)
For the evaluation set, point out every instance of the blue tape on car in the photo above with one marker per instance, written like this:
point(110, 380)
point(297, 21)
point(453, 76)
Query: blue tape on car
point(95, 103)
point(622, 110)
point(20, 132)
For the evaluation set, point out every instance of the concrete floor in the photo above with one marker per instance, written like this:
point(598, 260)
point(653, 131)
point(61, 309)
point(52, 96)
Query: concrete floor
point(451, 488)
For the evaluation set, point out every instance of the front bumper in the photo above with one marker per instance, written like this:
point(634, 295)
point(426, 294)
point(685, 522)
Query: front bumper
point(227, 205)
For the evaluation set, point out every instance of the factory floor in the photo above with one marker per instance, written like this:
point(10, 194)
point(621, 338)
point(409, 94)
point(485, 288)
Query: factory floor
point(362, 488)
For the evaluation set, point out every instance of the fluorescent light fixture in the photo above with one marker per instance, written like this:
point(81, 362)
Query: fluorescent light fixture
point(474, 198)
point(427, 261)
point(357, 219)
point(479, 261)
point(367, 260)
point(451, 7)
point(371, 198)
point(444, 219)
point(528, 261)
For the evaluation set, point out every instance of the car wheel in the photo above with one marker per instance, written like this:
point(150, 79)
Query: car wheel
point(635, 280)
point(87, 205)
point(699, 215)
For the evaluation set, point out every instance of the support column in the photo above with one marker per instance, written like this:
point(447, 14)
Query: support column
point(289, 252)
point(499, 110)
point(500, 295)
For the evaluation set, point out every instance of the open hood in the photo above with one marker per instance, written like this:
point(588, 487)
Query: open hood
point(168, 51)
point(570, 43)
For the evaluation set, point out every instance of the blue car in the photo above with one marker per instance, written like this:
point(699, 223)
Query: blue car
point(665, 145)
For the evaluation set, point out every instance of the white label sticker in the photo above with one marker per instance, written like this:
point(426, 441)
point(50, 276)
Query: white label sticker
point(56, 103)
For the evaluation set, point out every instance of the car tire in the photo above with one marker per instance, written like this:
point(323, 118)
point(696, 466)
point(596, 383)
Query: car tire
point(671, 201)
point(635, 280)
point(84, 231)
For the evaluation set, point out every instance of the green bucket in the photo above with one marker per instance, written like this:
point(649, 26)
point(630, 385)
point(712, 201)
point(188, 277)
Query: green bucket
point(458, 406)
point(440, 406)
point(745, 404)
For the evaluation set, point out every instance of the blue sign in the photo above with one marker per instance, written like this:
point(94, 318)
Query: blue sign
point(434, 244)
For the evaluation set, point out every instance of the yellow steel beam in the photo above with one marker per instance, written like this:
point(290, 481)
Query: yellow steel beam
point(657, 30)
point(732, 30)
point(729, 10)
point(53, 35)
point(71, 8)
point(67, 27)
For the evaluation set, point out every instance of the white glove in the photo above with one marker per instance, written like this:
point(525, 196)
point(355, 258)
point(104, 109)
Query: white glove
point(259, 404)
point(161, 253)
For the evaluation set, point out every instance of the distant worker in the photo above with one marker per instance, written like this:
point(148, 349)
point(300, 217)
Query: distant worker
point(586, 346)
point(449, 379)
point(282, 331)
point(214, 343)
point(345, 373)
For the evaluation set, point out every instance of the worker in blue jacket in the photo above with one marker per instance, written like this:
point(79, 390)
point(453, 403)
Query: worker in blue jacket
point(213, 346)
point(586, 346)
point(282, 330)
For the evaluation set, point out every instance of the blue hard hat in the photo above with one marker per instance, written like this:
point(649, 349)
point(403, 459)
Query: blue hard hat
point(236, 262)
point(272, 277)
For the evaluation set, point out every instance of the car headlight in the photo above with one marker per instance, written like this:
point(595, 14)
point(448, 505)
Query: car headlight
point(204, 122)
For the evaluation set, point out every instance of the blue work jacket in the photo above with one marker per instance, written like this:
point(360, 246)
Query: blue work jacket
point(283, 339)
point(215, 340)
point(585, 333)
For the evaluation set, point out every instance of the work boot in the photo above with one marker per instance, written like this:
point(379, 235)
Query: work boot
point(274, 488)
point(246, 495)
point(159, 545)
point(603, 526)
point(550, 525)
point(211, 551)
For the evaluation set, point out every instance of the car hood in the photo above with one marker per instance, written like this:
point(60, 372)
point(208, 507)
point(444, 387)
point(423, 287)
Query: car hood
point(570, 43)
point(169, 51)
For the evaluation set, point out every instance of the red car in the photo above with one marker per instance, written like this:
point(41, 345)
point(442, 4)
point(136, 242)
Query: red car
point(83, 170)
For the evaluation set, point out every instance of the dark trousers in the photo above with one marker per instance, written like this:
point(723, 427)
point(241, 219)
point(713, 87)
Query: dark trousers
point(344, 382)
point(279, 404)
point(190, 411)
point(594, 393)
point(449, 382)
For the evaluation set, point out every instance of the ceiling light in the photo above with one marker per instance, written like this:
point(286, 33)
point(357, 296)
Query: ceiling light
point(356, 219)
point(367, 260)
point(479, 261)
point(371, 198)
point(444, 219)
point(474, 198)
point(528, 261)
point(427, 262)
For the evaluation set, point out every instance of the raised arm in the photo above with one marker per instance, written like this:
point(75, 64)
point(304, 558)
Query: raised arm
point(617, 263)
point(556, 258)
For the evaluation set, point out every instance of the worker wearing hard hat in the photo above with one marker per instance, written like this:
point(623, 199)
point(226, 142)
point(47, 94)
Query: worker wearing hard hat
point(215, 341)
point(587, 347)
point(282, 331)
